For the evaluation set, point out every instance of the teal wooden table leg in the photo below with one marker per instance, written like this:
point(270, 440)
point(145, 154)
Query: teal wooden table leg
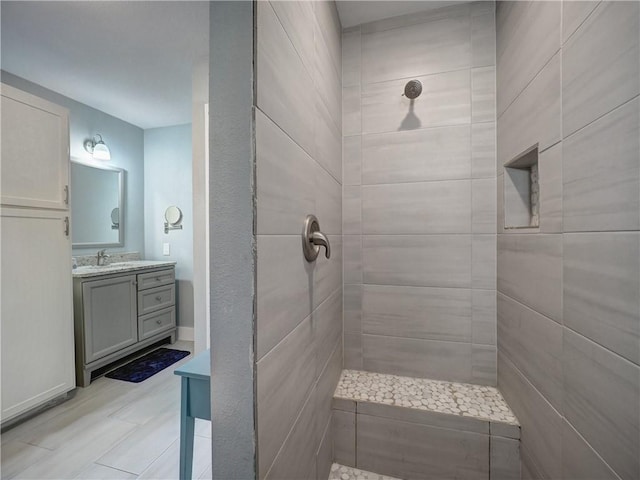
point(187, 424)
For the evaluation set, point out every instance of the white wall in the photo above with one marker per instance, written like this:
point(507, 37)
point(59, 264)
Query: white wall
point(167, 181)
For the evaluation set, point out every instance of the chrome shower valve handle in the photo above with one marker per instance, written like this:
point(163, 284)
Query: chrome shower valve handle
point(313, 239)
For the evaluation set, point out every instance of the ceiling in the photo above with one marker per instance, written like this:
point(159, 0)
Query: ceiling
point(132, 60)
point(355, 12)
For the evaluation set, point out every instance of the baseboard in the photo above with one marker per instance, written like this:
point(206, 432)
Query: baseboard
point(185, 333)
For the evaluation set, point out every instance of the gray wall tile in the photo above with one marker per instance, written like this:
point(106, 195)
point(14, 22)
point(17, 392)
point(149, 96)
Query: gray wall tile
point(483, 317)
point(438, 46)
point(603, 52)
point(328, 137)
point(328, 20)
point(351, 210)
point(326, 273)
point(351, 51)
point(353, 351)
point(550, 183)
point(533, 343)
point(541, 425)
point(601, 274)
point(445, 100)
point(424, 417)
point(530, 271)
point(295, 17)
point(573, 14)
point(601, 173)
point(579, 461)
point(283, 280)
point(327, 77)
point(416, 208)
point(414, 162)
point(483, 37)
point(351, 111)
point(417, 155)
point(424, 17)
point(602, 394)
point(483, 261)
point(324, 455)
point(483, 150)
point(505, 459)
point(328, 376)
point(353, 309)
point(534, 117)
point(281, 71)
point(418, 260)
point(483, 94)
point(415, 357)
point(285, 180)
point(527, 38)
point(344, 438)
point(284, 380)
point(483, 205)
point(484, 365)
point(417, 312)
point(299, 172)
point(328, 203)
point(352, 160)
point(409, 450)
point(352, 259)
point(297, 458)
point(326, 321)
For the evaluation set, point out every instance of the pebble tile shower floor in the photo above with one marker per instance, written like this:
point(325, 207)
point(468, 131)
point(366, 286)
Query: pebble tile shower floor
point(452, 398)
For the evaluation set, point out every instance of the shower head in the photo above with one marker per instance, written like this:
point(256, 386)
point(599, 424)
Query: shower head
point(413, 89)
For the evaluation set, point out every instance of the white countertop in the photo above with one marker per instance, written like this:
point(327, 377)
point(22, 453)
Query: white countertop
point(119, 267)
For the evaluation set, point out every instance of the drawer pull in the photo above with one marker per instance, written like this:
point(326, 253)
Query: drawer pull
point(159, 298)
point(158, 279)
point(159, 322)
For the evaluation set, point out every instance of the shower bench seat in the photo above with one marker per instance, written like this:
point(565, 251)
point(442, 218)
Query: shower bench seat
point(416, 428)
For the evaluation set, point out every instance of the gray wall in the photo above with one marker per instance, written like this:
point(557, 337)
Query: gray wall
point(568, 78)
point(232, 239)
point(299, 323)
point(167, 181)
point(125, 141)
point(419, 195)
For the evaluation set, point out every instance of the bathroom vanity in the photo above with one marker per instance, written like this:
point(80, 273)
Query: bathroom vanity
point(121, 308)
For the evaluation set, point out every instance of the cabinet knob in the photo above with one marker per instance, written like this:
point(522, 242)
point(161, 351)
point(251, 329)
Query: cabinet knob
point(159, 298)
point(159, 322)
point(158, 279)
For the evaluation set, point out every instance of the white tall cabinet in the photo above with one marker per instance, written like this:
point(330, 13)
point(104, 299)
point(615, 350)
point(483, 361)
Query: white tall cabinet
point(36, 313)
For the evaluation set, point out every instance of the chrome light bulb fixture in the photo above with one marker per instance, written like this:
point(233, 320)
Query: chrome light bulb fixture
point(97, 148)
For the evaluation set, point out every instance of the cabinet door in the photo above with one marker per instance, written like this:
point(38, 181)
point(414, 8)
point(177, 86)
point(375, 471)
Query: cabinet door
point(36, 309)
point(110, 316)
point(35, 151)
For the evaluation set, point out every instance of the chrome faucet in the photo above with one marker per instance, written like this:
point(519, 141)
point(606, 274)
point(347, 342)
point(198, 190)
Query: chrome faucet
point(102, 257)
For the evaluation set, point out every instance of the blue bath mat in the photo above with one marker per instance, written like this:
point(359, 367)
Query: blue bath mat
point(148, 365)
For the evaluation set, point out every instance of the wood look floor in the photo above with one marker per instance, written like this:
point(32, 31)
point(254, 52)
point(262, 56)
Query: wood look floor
point(109, 430)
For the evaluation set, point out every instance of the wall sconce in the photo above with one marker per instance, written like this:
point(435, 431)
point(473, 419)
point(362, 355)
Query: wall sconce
point(97, 148)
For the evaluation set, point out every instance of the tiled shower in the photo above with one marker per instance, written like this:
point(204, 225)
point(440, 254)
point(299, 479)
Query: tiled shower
point(484, 235)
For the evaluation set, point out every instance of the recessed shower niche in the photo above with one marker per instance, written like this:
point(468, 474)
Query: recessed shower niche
point(521, 191)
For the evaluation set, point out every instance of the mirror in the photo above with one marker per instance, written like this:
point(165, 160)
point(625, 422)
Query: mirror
point(97, 205)
point(173, 219)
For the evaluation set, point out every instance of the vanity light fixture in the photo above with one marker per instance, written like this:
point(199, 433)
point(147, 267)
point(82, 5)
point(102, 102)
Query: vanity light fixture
point(97, 148)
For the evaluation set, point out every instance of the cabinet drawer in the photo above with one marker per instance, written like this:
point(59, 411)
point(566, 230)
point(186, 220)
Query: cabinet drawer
point(155, 299)
point(155, 279)
point(156, 322)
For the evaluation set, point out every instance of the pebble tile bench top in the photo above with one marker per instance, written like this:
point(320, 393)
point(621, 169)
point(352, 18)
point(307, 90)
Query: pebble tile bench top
point(463, 400)
point(340, 472)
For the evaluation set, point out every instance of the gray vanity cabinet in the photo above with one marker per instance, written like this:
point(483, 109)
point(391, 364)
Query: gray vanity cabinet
point(111, 305)
point(118, 313)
